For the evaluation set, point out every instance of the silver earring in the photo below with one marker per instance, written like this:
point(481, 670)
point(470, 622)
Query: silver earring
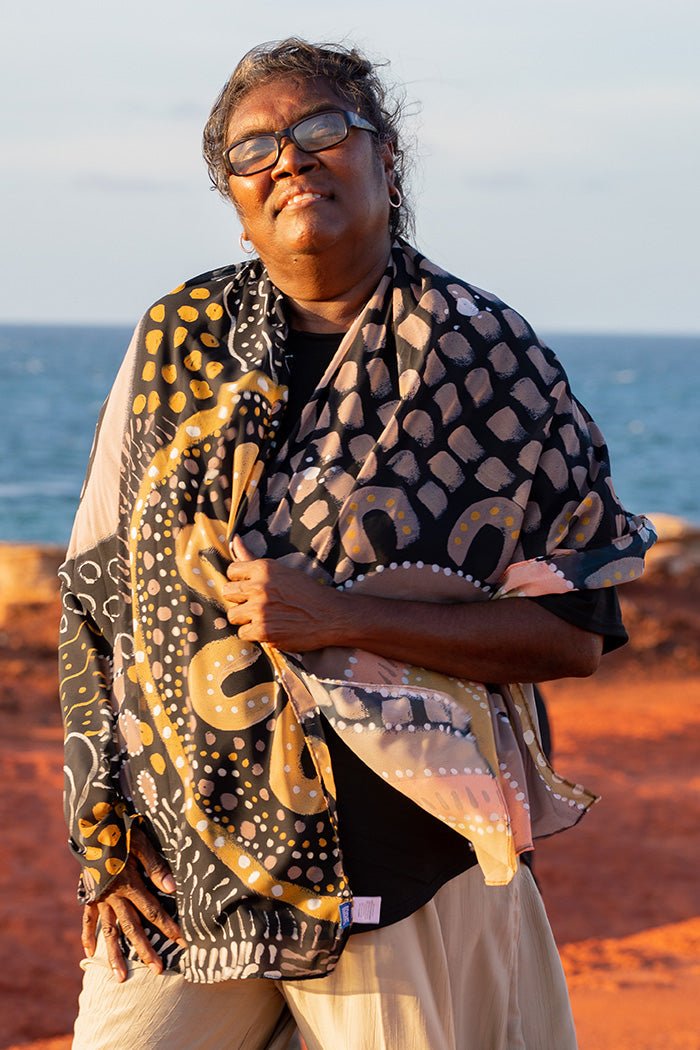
point(392, 200)
point(242, 241)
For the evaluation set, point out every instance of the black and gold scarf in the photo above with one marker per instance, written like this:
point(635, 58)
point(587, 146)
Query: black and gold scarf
point(441, 458)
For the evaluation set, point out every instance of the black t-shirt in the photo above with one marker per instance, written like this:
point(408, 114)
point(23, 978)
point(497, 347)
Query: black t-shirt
point(392, 848)
point(597, 611)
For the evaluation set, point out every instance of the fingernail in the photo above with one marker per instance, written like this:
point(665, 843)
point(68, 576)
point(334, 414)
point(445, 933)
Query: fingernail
point(169, 884)
point(155, 968)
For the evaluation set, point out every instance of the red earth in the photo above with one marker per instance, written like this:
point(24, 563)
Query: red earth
point(622, 889)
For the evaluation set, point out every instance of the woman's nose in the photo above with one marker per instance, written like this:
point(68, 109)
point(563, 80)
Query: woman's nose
point(293, 160)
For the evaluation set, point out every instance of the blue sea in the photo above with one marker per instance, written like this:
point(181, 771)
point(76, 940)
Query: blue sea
point(643, 391)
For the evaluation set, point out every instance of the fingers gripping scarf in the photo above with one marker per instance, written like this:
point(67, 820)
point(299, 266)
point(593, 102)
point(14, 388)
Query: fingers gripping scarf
point(441, 458)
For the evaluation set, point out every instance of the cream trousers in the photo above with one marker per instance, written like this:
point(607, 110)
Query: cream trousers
point(475, 969)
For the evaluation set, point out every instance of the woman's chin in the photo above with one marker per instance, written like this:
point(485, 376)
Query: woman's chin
point(310, 235)
point(307, 241)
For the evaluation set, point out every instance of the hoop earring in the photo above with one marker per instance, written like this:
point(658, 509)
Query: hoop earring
point(393, 202)
point(242, 241)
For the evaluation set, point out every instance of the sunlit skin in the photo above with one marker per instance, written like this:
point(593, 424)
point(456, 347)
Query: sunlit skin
point(123, 905)
point(320, 223)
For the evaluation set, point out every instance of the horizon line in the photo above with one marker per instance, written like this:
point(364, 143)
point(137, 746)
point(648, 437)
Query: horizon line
point(650, 333)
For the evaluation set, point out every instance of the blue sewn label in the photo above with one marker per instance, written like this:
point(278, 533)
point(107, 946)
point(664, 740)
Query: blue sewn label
point(345, 914)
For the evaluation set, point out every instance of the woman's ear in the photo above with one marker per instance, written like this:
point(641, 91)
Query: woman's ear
point(387, 158)
point(386, 154)
point(242, 240)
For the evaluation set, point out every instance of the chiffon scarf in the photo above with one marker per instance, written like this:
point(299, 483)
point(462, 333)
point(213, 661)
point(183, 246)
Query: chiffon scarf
point(441, 458)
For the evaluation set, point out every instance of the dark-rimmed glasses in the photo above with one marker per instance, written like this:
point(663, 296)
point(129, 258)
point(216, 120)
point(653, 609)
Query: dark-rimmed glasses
point(311, 134)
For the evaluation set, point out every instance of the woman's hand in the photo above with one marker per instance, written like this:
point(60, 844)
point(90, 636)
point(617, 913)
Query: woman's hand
point(269, 602)
point(122, 906)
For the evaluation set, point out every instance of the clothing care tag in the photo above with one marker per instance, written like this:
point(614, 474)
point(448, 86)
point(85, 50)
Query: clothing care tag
point(366, 910)
point(362, 910)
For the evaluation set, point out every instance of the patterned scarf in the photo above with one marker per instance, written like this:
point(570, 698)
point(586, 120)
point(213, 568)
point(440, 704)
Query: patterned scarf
point(441, 458)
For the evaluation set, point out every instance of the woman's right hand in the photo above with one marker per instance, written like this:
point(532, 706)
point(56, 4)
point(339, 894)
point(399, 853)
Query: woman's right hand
point(121, 908)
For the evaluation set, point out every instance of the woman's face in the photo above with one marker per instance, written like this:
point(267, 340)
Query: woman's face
point(331, 205)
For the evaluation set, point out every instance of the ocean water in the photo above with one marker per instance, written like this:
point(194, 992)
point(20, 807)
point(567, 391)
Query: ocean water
point(643, 391)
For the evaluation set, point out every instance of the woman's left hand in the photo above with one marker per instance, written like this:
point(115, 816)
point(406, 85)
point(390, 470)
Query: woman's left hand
point(269, 602)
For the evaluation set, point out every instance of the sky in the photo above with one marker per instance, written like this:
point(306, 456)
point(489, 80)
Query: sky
point(556, 149)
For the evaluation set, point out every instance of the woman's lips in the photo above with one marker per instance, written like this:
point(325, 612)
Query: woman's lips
point(301, 198)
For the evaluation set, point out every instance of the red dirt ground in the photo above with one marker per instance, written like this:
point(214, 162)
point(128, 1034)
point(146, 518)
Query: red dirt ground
point(622, 889)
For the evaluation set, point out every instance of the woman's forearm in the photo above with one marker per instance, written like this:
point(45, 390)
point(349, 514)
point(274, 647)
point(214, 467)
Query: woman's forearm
point(509, 640)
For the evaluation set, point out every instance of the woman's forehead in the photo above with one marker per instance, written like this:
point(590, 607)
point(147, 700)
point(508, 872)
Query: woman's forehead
point(281, 99)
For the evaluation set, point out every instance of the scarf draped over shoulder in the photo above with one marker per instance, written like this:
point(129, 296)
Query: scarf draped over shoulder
point(441, 458)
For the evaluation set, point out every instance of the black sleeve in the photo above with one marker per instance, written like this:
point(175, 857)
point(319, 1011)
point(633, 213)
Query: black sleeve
point(596, 610)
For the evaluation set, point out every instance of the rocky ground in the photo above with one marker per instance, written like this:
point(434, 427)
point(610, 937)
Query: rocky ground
point(622, 889)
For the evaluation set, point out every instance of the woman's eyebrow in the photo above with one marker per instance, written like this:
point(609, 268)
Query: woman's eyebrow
point(257, 127)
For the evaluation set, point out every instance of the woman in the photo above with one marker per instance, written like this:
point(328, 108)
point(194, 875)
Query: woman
point(313, 475)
